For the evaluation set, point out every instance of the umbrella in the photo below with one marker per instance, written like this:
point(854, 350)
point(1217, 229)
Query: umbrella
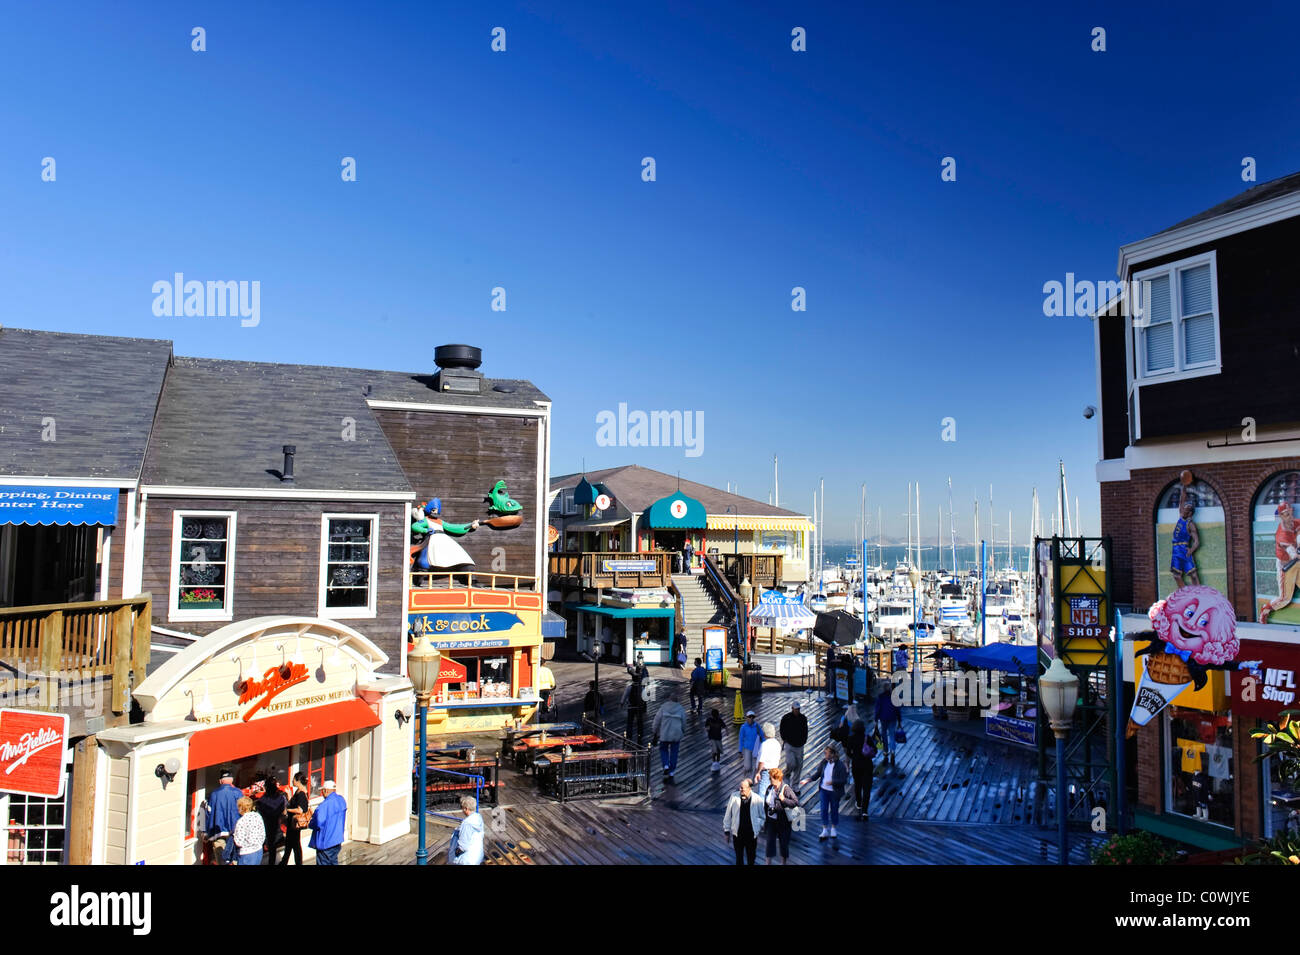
point(838, 627)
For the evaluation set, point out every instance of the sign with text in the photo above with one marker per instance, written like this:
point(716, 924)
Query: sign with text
point(1083, 620)
point(1011, 729)
point(715, 648)
point(613, 566)
point(432, 624)
point(32, 750)
point(1275, 688)
point(58, 505)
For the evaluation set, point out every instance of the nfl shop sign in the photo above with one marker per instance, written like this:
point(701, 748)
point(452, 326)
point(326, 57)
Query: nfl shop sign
point(32, 750)
point(1085, 619)
point(1275, 688)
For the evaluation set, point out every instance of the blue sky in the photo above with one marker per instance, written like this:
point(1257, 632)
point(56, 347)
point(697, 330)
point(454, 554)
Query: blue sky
point(775, 169)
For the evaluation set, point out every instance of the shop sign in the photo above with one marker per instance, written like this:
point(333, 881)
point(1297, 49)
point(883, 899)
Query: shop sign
point(274, 682)
point(842, 685)
point(715, 644)
point(603, 502)
point(449, 623)
point(608, 566)
point(58, 505)
point(1276, 685)
point(32, 751)
point(449, 671)
point(1012, 730)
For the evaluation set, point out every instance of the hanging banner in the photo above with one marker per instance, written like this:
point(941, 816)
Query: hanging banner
point(58, 505)
point(1277, 686)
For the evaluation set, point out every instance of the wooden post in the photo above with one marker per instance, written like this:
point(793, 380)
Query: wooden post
point(143, 635)
point(51, 650)
point(122, 633)
point(81, 803)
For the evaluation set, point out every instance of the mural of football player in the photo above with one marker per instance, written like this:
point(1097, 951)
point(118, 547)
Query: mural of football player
point(1186, 539)
point(1287, 552)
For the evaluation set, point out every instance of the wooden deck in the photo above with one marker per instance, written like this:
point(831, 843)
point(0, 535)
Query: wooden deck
point(952, 799)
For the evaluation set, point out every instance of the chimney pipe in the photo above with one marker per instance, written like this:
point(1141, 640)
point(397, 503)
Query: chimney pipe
point(287, 474)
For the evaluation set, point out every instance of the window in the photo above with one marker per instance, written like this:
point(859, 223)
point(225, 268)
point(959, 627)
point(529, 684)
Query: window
point(348, 565)
point(1198, 781)
point(37, 830)
point(203, 546)
point(1177, 333)
point(322, 762)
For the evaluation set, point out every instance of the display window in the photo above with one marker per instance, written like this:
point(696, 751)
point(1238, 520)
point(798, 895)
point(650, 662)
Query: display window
point(486, 678)
point(1199, 766)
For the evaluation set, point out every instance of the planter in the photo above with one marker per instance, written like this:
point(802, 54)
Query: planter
point(199, 605)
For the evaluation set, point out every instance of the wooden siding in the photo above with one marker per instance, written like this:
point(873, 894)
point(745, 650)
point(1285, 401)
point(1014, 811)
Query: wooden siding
point(277, 562)
point(458, 457)
point(1114, 387)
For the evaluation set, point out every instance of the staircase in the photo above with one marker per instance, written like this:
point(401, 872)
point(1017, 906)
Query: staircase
point(699, 609)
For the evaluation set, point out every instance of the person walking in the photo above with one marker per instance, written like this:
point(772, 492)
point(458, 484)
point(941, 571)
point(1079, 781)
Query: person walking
point(889, 719)
point(794, 735)
point(751, 737)
point(714, 727)
point(250, 833)
point(271, 806)
point(669, 729)
point(769, 758)
point(634, 703)
point(743, 821)
point(297, 812)
point(687, 553)
point(593, 704)
point(777, 806)
point(699, 686)
point(327, 825)
point(466, 846)
point(862, 755)
point(223, 817)
point(833, 777)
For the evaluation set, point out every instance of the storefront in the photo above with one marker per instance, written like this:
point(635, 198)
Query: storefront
point(53, 542)
point(624, 632)
point(491, 646)
point(270, 695)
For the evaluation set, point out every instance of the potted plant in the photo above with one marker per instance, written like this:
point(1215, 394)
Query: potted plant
point(200, 599)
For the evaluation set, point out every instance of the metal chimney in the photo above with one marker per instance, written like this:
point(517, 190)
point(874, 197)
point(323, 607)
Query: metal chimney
point(458, 369)
point(286, 475)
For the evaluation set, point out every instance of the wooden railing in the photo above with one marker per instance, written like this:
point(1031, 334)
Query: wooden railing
point(762, 570)
point(589, 568)
point(449, 580)
point(75, 642)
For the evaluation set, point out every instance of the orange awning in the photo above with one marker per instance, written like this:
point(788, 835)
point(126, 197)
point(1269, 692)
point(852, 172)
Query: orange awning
point(239, 740)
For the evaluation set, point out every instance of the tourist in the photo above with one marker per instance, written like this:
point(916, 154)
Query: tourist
point(223, 817)
point(699, 686)
point(669, 728)
point(271, 806)
point(466, 846)
point(681, 651)
point(250, 833)
point(743, 821)
point(714, 727)
point(889, 719)
point(769, 758)
point(794, 735)
point(687, 553)
point(327, 823)
point(751, 737)
point(832, 777)
point(635, 702)
point(862, 753)
point(593, 704)
point(778, 804)
point(296, 820)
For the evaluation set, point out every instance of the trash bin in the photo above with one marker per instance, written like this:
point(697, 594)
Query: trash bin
point(751, 678)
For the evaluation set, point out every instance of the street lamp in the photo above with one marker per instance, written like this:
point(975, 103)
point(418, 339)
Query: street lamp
point(746, 594)
point(422, 665)
point(914, 576)
point(1058, 691)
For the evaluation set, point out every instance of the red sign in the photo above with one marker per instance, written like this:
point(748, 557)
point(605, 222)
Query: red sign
point(1276, 688)
point(32, 747)
point(274, 682)
point(449, 671)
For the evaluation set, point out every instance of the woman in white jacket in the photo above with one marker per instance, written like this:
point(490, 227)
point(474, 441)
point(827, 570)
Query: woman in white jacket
point(743, 821)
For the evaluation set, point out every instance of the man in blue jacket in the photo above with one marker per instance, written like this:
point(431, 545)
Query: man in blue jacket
point(225, 814)
point(327, 825)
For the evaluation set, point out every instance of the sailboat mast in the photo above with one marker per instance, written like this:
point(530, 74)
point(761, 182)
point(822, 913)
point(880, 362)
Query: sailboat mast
point(952, 529)
point(918, 525)
point(776, 481)
point(909, 522)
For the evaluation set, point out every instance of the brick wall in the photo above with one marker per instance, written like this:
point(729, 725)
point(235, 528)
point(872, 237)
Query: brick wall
point(1149, 763)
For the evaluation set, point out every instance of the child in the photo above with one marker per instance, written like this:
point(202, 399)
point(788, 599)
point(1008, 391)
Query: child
point(715, 728)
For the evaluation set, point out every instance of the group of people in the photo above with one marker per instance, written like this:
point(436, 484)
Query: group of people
point(247, 828)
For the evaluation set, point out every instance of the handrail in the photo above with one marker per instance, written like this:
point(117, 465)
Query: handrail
point(722, 585)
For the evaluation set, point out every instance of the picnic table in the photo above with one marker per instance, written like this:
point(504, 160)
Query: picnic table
point(592, 773)
point(449, 777)
point(523, 750)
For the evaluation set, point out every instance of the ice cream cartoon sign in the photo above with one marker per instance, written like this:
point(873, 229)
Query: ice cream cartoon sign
point(1196, 633)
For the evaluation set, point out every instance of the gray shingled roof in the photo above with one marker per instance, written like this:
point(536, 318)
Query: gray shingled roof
point(102, 393)
point(636, 488)
point(418, 388)
point(1252, 196)
point(223, 424)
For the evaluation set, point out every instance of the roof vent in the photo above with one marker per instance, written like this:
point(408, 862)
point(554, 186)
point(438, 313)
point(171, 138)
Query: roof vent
point(458, 369)
point(505, 389)
point(286, 475)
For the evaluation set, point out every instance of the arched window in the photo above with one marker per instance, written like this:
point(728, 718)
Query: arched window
point(1273, 539)
point(1192, 549)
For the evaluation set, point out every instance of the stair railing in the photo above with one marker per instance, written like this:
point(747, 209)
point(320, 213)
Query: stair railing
point(717, 582)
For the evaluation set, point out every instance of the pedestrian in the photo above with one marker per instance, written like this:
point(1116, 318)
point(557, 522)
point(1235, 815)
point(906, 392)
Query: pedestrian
point(466, 846)
point(635, 702)
point(223, 817)
point(715, 727)
point(889, 719)
point(327, 824)
point(743, 821)
point(687, 553)
point(751, 737)
point(769, 758)
point(593, 704)
point(638, 670)
point(680, 656)
point(699, 686)
point(669, 728)
point(297, 813)
point(250, 833)
point(862, 754)
point(794, 735)
point(778, 804)
point(832, 777)
point(271, 806)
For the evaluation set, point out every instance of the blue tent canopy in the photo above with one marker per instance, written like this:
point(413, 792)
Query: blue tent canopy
point(998, 656)
point(676, 511)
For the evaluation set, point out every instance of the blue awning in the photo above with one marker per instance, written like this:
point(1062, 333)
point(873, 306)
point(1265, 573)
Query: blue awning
point(622, 612)
point(676, 511)
point(1006, 657)
point(553, 626)
point(52, 504)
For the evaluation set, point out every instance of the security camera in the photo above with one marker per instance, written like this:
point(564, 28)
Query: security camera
point(1089, 411)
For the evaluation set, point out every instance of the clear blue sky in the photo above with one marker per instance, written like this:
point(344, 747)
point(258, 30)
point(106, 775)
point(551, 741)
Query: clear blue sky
point(775, 169)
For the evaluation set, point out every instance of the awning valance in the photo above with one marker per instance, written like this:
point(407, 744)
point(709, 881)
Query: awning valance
point(676, 512)
point(622, 612)
point(728, 522)
point(224, 744)
point(48, 504)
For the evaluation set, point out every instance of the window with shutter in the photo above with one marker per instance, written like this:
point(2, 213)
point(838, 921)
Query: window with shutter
point(1177, 333)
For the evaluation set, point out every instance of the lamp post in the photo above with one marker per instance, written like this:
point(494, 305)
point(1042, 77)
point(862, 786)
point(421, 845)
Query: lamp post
point(1058, 691)
point(746, 594)
point(596, 646)
point(423, 664)
point(914, 576)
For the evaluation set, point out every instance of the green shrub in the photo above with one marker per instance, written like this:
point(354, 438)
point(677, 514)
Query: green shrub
point(1140, 848)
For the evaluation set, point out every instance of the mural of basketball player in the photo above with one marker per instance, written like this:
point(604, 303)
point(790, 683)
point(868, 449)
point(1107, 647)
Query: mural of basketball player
point(1287, 552)
point(1186, 539)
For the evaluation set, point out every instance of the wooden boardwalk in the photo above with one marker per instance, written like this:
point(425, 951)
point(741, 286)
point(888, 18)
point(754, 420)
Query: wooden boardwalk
point(953, 798)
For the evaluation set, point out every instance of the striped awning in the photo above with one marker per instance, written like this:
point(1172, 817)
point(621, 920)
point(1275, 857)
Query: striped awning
point(727, 522)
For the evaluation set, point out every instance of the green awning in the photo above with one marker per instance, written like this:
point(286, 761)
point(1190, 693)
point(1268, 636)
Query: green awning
point(622, 612)
point(676, 512)
point(584, 493)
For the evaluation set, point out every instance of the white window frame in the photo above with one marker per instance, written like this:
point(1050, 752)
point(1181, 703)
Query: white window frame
point(1137, 330)
point(368, 612)
point(174, 612)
